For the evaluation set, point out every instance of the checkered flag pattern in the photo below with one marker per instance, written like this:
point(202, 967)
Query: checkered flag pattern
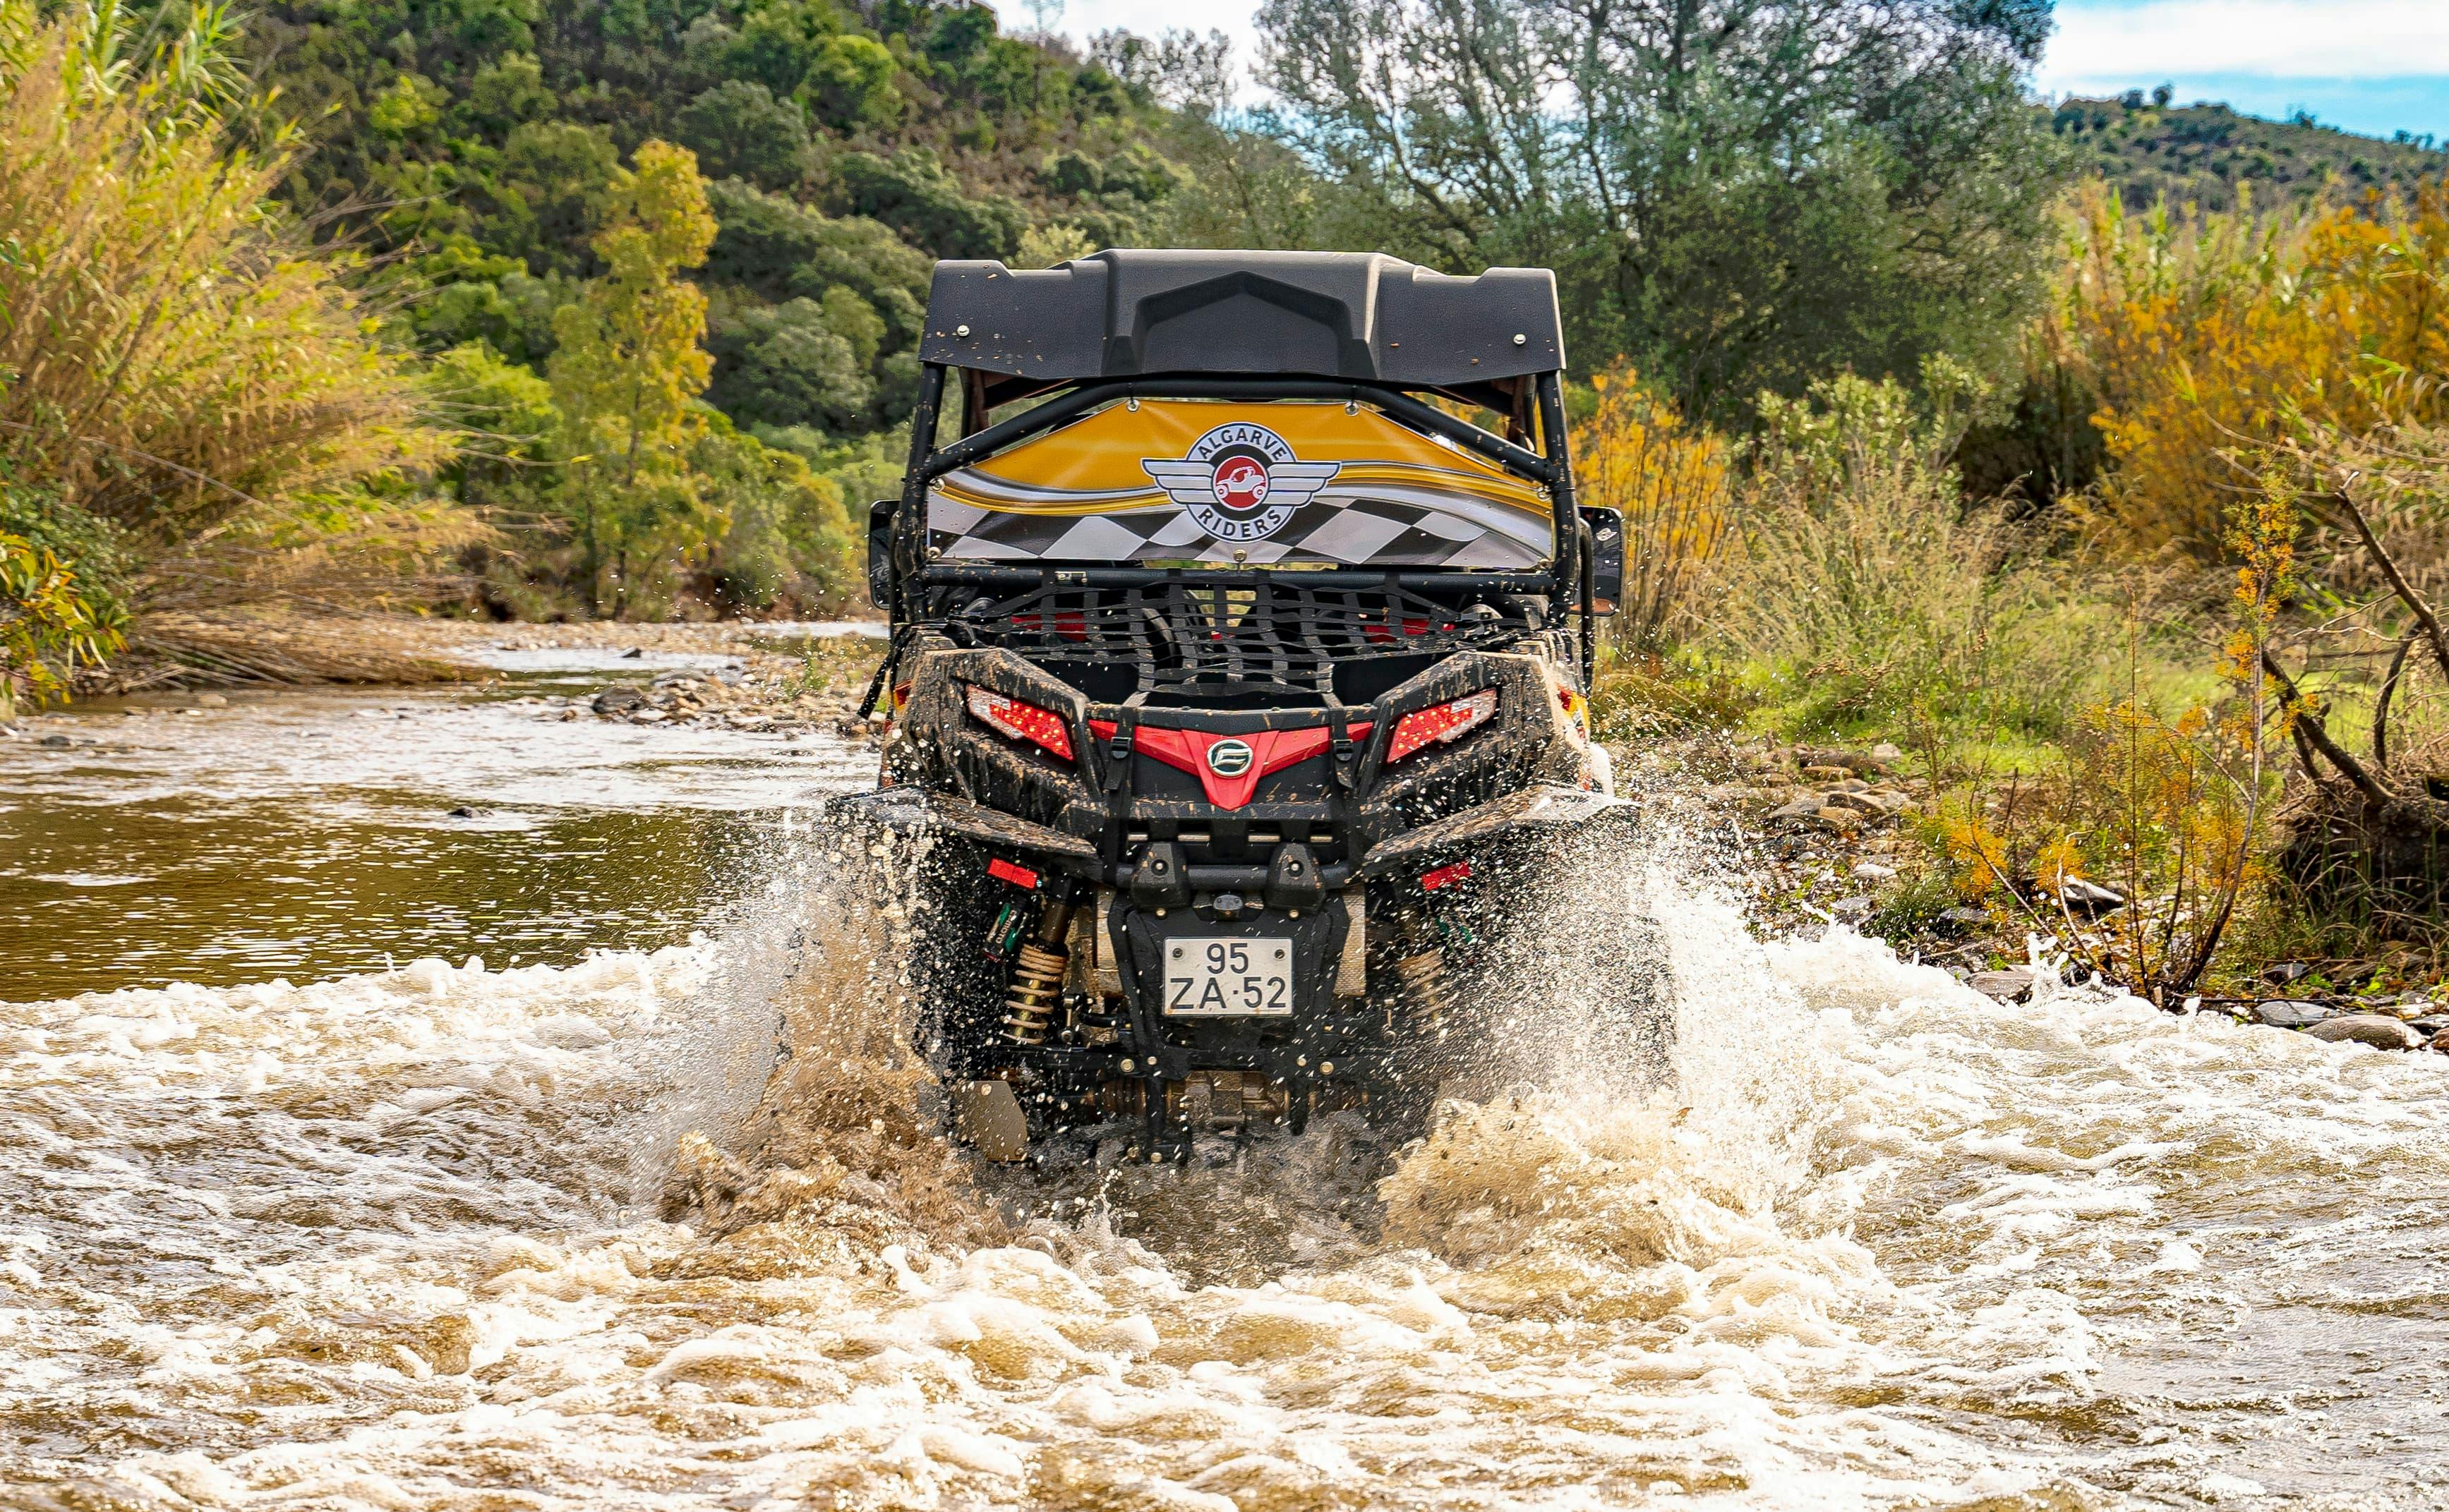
point(1425, 529)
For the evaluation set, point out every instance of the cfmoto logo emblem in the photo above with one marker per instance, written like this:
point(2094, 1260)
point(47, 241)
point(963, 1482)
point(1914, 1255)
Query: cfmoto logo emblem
point(1229, 758)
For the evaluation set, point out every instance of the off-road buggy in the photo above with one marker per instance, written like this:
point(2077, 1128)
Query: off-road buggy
point(1239, 644)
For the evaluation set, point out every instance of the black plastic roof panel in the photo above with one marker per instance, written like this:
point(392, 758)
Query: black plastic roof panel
point(1338, 315)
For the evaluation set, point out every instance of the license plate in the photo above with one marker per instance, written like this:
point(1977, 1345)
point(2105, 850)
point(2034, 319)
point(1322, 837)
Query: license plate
point(1207, 976)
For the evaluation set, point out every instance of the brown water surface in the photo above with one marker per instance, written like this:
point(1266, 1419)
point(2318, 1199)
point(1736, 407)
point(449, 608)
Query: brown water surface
point(299, 1208)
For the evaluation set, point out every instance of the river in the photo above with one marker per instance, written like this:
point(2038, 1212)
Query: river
point(356, 1153)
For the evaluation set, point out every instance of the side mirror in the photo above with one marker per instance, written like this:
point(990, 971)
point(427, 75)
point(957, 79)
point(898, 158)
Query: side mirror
point(1607, 556)
point(879, 551)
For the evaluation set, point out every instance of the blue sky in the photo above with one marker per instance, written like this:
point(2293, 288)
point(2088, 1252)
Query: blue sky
point(2371, 65)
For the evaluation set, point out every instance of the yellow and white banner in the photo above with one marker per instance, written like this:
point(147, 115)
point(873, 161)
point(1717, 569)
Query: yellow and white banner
point(1186, 480)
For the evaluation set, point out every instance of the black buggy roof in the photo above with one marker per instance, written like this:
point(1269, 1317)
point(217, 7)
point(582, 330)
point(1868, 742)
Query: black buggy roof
point(1360, 315)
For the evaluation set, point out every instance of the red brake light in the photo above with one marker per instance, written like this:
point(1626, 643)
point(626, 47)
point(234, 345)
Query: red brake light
point(1444, 724)
point(1042, 728)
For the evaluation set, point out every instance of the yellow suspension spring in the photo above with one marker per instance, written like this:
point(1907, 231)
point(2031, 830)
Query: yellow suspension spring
point(1035, 992)
point(1425, 974)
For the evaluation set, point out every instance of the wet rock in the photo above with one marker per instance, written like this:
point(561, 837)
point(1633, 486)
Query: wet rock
point(463, 811)
point(2287, 1013)
point(633, 653)
point(212, 700)
point(2012, 986)
point(1852, 763)
point(2089, 900)
point(621, 698)
point(2367, 1028)
point(55, 741)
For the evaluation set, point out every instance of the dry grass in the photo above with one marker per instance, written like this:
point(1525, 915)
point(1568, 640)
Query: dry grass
point(237, 647)
point(1672, 481)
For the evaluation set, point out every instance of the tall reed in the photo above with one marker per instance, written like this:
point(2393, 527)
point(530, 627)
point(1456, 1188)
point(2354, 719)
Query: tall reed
point(174, 357)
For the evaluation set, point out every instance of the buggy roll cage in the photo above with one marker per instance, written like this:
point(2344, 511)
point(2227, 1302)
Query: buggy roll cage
point(1248, 326)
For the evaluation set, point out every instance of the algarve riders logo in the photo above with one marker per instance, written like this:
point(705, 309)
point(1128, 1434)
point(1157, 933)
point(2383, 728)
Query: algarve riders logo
point(1240, 483)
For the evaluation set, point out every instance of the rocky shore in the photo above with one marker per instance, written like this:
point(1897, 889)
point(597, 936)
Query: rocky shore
point(1828, 834)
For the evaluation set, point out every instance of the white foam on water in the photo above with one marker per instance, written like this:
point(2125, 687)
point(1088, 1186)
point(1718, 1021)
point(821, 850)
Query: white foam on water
point(1862, 1240)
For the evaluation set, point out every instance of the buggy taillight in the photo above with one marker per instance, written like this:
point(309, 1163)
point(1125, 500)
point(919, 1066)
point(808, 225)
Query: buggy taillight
point(1043, 728)
point(1442, 725)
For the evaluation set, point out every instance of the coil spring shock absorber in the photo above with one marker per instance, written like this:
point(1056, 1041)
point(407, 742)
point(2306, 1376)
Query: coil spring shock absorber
point(1036, 987)
point(1425, 973)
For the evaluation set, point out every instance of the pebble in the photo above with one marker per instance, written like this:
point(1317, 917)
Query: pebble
point(2367, 1028)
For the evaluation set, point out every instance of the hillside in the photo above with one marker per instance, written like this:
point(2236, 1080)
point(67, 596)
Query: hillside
point(2200, 153)
point(470, 148)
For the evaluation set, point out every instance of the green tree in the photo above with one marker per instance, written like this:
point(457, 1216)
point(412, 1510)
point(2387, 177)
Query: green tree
point(506, 418)
point(739, 130)
point(627, 369)
point(1738, 194)
point(911, 193)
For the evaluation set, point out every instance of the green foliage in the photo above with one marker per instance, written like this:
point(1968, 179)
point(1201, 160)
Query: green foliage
point(48, 626)
point(1864, 596)
point(739, 130)
point(626, 369)
point(1738, 195)
point(507, 419)
point(911, 193)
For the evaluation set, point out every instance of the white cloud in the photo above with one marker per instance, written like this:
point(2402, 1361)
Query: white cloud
point(2282, 39)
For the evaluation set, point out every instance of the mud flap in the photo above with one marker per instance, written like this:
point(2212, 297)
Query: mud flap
point(987, 1115)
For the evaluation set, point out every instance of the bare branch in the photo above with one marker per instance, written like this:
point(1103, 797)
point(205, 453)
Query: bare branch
point(2405, 591)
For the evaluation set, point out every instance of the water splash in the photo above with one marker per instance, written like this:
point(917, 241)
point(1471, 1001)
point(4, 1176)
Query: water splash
point(1848, 1238)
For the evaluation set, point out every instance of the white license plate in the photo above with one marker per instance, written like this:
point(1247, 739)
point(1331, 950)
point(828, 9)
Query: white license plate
point(1212, 977)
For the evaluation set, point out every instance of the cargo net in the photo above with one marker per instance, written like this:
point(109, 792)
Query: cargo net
point(1265, 631)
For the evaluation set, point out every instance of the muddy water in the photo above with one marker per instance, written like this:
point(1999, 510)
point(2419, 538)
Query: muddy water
point(552, 1235)
point(306, 835)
